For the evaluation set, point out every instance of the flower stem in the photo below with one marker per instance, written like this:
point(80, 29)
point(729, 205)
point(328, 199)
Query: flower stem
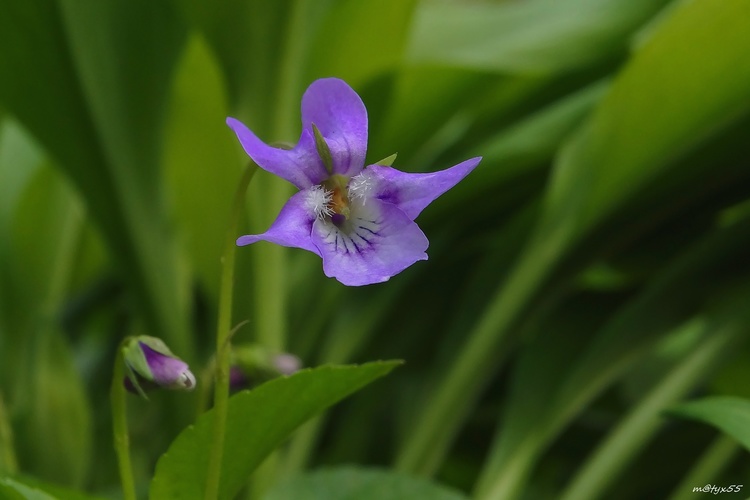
point(221, 387)
point(120, 426)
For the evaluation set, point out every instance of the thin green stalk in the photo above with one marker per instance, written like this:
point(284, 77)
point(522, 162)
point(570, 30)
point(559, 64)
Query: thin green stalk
point(117, 397)
point(441, 417)
point(715, 459)
point(622, 444)
point(221, 388)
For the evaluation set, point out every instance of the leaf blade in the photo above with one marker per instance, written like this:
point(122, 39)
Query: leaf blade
point(257, 422)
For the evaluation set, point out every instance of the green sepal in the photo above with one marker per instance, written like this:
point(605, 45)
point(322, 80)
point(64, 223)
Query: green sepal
point(387, 161)
point(134, 380)
point(136, 360)
point(323, 151)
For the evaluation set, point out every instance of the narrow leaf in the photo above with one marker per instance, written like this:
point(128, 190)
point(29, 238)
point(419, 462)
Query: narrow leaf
point(539, 36)
point(353, 483)
point(727, 413)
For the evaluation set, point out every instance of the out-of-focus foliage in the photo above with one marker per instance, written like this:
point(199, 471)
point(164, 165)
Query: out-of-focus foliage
point(588, 276)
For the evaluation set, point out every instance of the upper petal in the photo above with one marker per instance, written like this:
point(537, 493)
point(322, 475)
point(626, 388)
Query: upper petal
point(341, 117)
point(377, 242)
point(291, 228)
point(413, 192)
point(301, 166)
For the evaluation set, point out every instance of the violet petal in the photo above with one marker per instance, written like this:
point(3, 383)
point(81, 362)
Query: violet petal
point(413, 192)
point(291, 228)
point(340, 115)
point(301, 166)
point(377, 242)
point(167, 371)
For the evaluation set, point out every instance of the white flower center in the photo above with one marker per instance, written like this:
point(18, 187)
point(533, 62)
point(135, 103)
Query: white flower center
point(361, 185)
point(318, 201)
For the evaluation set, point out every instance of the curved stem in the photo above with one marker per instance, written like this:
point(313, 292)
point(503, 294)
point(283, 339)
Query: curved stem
point(221, 387)
point(120, 426)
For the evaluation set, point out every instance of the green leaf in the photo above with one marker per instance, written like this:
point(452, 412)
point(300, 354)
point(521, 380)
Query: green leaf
point(355, 483)
point(101, 120)
point(333, 53)
point(12, 490)
point(200, 161)
point(124, 53)
point(541, 36)
point(29, 488)
point(657, 110)
point(727, 413)
point(257, 422)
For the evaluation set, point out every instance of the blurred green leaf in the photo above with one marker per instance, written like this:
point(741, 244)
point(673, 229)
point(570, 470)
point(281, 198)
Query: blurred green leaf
point(353, 483)
point(28, 488)
point(538, 36)
point(642, 421)
point(19, 158)
point(111, 63)
point(727, 413)
point(124, 53)
point(519, 149)
point(13, 490)
point(200, 159)
point(57, 437)
point(659, 102)
point(257, 422)
point(248, 40)
point(670, 298)
point(380, 28)
point(58, 428)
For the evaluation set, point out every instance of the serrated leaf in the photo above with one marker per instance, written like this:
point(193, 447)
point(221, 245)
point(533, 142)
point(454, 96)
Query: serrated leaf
point(727, 413)
point(257, 422)
point(355, 483)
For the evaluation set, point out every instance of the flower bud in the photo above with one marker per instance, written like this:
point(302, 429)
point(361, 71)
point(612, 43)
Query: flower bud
point(151, 363)
point(254, 364)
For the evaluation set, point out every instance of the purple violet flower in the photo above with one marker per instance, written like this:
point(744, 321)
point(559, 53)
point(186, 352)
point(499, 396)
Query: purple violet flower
point(359, 220)
point(152, 364)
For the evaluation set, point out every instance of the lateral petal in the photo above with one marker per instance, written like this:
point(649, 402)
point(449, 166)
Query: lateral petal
point(413, 192)
point(291, 228)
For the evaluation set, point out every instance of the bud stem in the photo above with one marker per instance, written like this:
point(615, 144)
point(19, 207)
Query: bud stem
point(120, 425)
